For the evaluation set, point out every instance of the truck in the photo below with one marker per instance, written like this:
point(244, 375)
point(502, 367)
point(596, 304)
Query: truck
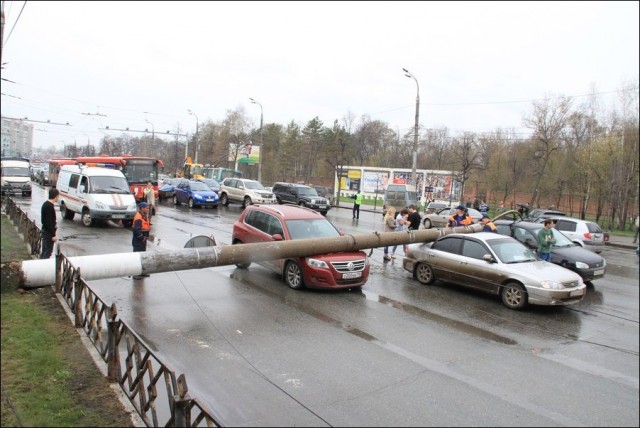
point(191, 170)
point(16, 176)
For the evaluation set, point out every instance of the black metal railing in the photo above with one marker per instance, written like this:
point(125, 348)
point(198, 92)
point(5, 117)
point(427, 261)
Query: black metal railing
point(159, 397)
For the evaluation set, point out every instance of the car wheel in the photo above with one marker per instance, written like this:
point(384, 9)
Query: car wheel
point(224, 199)
point(241, 265)
point(246, 202)
point(293, 275)
point(514, 296)
point(127, 223)
point(86, 218)
point(424, 274)
point(190, 203)
point(427, 223)
point(302, 204)
point(67, 214)
point(175, 200)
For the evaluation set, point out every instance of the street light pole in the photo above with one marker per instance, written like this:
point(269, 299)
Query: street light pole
point(261, 147)
point(197, 141)
point(153, 135)
point(415, 131)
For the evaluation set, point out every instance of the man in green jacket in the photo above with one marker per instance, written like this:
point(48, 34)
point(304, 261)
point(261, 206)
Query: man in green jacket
point(546, 240)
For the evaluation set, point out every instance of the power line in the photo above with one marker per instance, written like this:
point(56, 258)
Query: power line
point(14, 24)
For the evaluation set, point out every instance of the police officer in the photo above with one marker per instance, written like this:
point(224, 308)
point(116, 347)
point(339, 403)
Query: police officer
point(356, 205)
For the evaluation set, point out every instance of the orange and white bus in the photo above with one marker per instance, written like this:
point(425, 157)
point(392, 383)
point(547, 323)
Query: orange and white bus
point(54, 168)
point(137, 170)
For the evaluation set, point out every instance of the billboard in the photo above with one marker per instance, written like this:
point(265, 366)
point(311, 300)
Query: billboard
point(246, 153)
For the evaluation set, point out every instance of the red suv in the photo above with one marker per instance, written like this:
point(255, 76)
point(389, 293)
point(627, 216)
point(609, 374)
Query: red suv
point(265, 223)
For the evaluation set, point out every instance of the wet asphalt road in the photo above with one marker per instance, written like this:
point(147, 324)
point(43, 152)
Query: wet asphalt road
point(396, 353)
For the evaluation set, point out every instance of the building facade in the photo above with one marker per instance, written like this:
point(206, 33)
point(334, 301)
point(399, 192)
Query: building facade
point(17, 137)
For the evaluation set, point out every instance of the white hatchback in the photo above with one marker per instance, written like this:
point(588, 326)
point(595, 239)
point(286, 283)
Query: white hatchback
point(583, 232)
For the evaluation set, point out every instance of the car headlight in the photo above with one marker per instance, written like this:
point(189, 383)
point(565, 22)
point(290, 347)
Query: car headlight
point(552, 285)
point(197, 197)
point(581, 265)
point(316, 263)
point(101, 206)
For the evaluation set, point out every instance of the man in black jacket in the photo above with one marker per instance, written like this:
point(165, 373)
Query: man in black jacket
point(414, 217)
point(49, 223)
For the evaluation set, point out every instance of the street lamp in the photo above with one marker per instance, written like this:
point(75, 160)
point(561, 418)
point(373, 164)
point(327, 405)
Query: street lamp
point(261, 148)
point(415, 131)
point(197, 141)
point(153, 135)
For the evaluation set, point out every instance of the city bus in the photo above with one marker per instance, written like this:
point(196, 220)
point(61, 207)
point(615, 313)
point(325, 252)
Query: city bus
point(220, 174)
point(54, 168)
point(137, 170)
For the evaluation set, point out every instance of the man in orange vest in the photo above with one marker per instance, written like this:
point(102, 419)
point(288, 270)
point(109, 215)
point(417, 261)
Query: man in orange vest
point(141, 227)
point(460, 218)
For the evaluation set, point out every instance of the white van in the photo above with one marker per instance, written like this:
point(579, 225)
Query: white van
point(16, 176)
point(95, 193)
point(399, 196)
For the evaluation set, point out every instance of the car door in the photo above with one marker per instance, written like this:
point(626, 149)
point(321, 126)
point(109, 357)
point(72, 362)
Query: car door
point(443, 257)
point(473, 271)
point(442, 217)
point(181, 192)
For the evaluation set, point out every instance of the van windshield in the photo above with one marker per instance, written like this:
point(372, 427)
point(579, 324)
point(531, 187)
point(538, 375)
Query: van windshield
point(15, 171)
point(109, 185)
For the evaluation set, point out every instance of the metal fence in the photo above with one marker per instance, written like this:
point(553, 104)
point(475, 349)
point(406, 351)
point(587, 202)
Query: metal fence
point(140, 372)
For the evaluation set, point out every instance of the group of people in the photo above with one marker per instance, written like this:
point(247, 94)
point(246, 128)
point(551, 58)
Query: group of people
point(141, 226)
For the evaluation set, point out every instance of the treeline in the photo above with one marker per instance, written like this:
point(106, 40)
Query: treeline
point(576, 150)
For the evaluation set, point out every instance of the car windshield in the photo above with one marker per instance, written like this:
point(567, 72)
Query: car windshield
point(311, 228)
point(307, 191)
point(199, 186)
point(255, 185)
point(511, 251)
point(109, 185)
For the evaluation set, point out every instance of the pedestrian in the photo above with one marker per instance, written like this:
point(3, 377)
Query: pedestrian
point(150, 198)
point(141, 228)
point(546, 240)
point(402, 221)
point(356, 204)
point(484, 208)
point(414, 217)
point(49, 223)
point(637, 226)
point(389, 226)
point(488, 224)
point(460, 218)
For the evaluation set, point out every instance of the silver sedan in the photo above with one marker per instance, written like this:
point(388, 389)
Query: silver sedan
point(494, 264)
point(441, 217)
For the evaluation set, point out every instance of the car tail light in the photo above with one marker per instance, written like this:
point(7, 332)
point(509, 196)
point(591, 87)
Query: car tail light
point(587, 235)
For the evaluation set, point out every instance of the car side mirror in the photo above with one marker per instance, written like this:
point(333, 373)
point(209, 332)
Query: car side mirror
point(488, 258)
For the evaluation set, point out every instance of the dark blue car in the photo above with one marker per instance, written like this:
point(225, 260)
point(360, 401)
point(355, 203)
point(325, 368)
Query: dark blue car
point(166, 191)
point(195, 194)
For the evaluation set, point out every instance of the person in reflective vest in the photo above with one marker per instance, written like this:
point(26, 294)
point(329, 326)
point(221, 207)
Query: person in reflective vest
point(356, 204)
point(460, 218)
point(488, 224)
point(141, 227)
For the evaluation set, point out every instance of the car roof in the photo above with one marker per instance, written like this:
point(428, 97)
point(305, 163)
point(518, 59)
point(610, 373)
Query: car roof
point(484, 236)
point(287, 211)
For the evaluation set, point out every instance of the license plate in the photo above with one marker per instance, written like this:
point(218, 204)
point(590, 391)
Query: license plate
point(117, 216)
point(322, 206)
point(351, 275)
point(598, 272)
point(209, 200)
point(576, 293)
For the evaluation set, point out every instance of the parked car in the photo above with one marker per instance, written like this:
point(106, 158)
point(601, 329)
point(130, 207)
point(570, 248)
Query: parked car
point(167, 190)
point(435, 206)
point(43, 175)
point(583, 232)
point(300, 194)
point(245, 192)
point(564, 252)
point(540, 214)
point(495, 264)
point(195, 194)
point(325, 192)
point(266, 223)
point(441, 218)
point(213, 184)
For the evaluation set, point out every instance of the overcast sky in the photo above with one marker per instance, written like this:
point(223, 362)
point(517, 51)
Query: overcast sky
point(479, 65)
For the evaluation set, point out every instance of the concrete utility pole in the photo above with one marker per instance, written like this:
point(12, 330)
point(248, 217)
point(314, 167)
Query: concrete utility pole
point(35, 273)
point(261, 147)
point(197, 140)
point(414, 159)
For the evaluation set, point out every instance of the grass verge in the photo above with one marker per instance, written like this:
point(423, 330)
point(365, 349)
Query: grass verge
point(48, 376)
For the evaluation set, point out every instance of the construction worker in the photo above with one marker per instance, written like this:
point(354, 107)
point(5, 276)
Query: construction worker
point(460, 218)
point(141, 228)
point(488, 224)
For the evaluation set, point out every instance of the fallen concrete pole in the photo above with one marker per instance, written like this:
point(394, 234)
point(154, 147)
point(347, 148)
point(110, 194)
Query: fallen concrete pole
point(37, 273)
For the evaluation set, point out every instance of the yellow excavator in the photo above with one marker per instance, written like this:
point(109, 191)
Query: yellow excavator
point(192, 170)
